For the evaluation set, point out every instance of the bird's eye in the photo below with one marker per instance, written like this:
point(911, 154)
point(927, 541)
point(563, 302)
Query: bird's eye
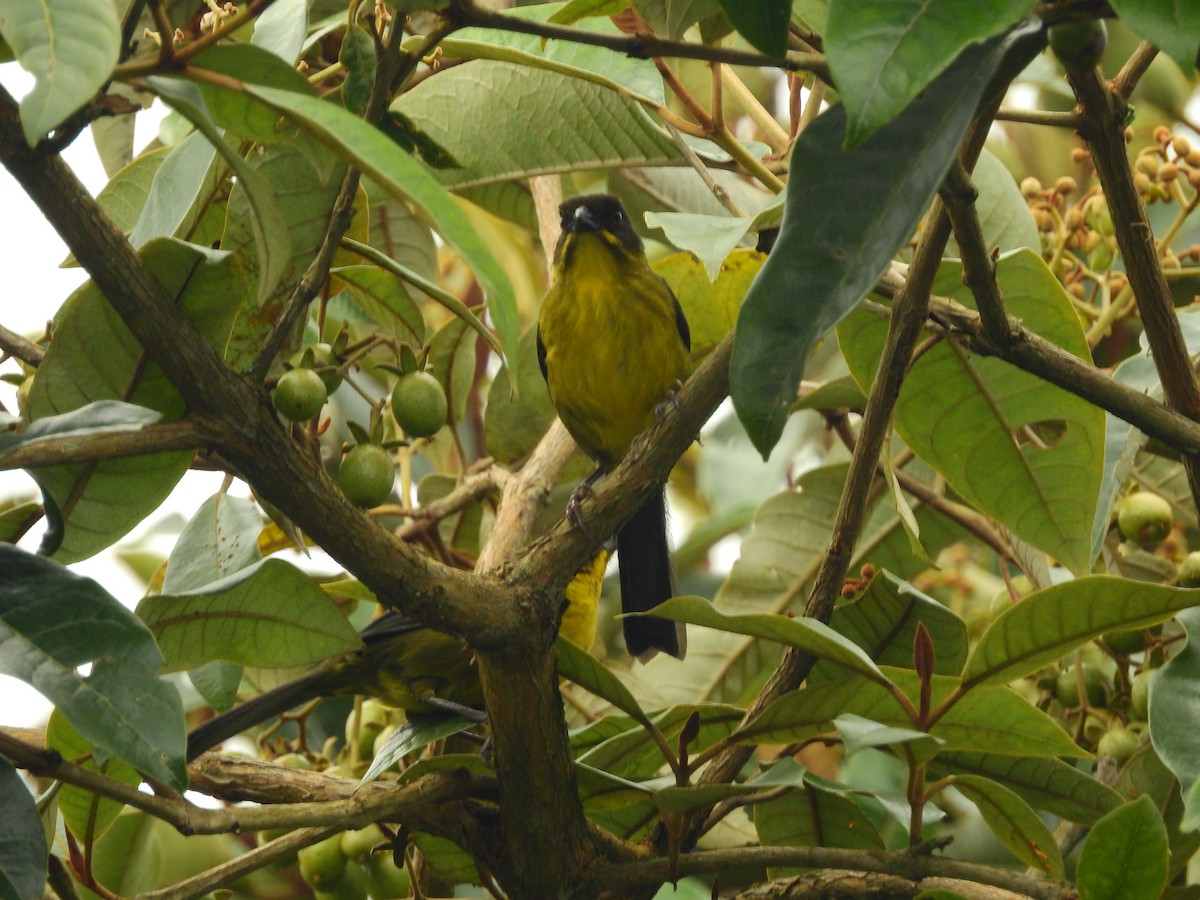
point(618, 217)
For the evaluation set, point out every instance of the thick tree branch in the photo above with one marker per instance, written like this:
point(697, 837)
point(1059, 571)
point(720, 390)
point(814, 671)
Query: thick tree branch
point(913, 866)
point(20, 347)
point(186, 434)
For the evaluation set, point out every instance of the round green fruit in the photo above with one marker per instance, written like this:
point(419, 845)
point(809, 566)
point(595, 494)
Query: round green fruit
point(1189, 570)
point(322, 863)
point(1079, 45)
point(385, 879)
point(325, 361)
point(1139, 693)
point(359, 844)
point(1125, 642)
point(1118, 744)
point(1145, 518)
point(1066, 688)
point(351, 884)
point(299, 395)
point(367, 475)
point(419, 404)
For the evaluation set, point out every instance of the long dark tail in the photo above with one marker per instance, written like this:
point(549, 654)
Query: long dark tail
point(647, 579)
point(263, 707)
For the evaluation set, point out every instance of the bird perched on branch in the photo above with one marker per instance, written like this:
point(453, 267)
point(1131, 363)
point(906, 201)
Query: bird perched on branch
point(614, 345)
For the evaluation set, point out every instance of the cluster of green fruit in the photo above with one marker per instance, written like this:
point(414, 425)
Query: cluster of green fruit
point(350, 865)
point(418, 405)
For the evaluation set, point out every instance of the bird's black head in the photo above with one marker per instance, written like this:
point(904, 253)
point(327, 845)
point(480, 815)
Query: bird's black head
point(602, 214)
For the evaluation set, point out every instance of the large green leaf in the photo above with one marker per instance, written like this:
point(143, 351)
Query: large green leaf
point(1045, 783)
point(882, 53)
point(270, 615)
point(813, 637)
point(282, 28)
point(1175, 705)
point(101, 417)
point(93, 356)
point(220, 539)
point(1125, 855)
point(182, 187)
point(269, 227)
point(53, 621)
point(1029, 454)
point(82, 810)
point(621, 747)
point(594, 126)
point(991, 719)
point(608, 68)
point(1172, 26)
point(764, 24)
point(69, 46)
point(819, 817)
point(1013, 823)
point(382, 297)
point(1048, 624)
point(303, 181)
point(816, 276)
point(23, 850)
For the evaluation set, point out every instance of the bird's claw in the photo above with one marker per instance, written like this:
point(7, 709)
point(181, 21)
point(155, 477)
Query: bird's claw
point(574, 512)
point(672, 399)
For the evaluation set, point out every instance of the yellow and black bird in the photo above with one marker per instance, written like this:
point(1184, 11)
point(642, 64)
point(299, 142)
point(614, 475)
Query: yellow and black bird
point(614, 345)
point(404, 664)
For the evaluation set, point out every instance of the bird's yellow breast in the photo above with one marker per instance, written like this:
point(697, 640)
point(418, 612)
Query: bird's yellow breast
point(612, 343)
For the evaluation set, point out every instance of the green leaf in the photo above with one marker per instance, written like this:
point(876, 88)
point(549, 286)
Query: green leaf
point(282, 28)
point(51, 623)
point(883, 53)
point(709, 238)
point(95, 357)
point(518, 410)
point(69, 47)
point(1013, 823)
point(860, 734)
point(183, 183)
point(671, 18)
point(581, 667)
point(1173, 27)
point(123, 198)
point(239, 112)
point(596, 127)
point(23, 851)
point(413, 735)
point(82, 810)
point(764, 25)
point(100, 417)
point(573, 10)
point(809, 635)
point(304, 180)
point(816, 276)
point(883, 621)
point(686, 799)
point(621, 747)
point(1045, 783)
point(1175, 702)
point(270, 615)
point(1049, 624)
point(383, 299)
point(357, 57)
point(819, 817)
point(992, 719)
point(1029, 454)
point(623, 807)
point(1125, 855)
point(220, 539)
point(271, 234)
point(405, 179)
